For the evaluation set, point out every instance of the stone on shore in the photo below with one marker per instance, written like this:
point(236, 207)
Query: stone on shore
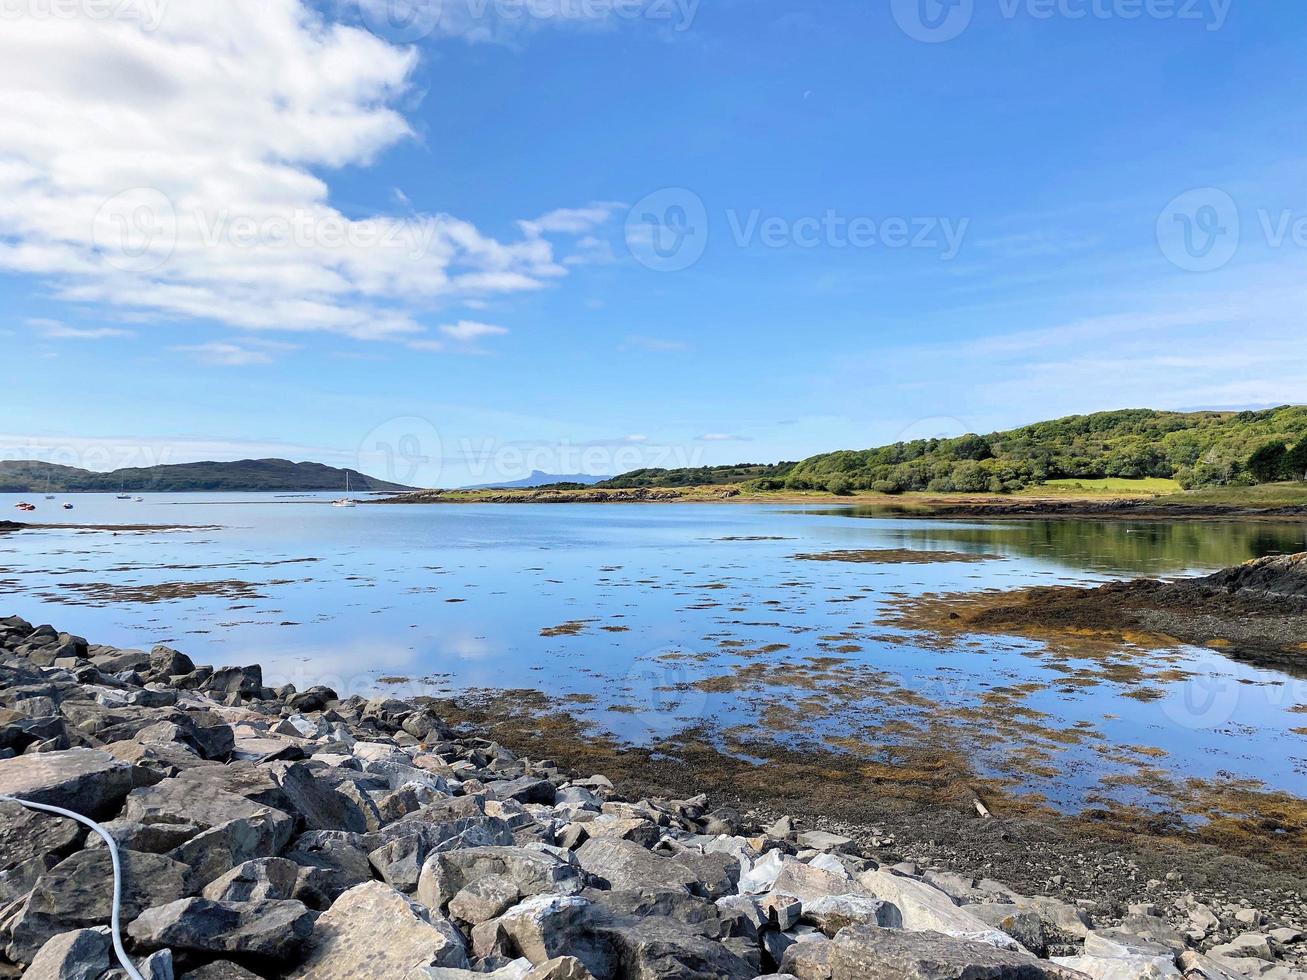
point(84, 954)
point(267, 930)
point(372, 932)
point(870, 953)
point(84, 781)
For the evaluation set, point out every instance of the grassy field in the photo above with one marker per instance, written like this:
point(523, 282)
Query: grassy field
point(1151, 487)
point(1265, 495)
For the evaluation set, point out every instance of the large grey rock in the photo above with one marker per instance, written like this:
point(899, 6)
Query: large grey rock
point(625, 865)
point(372, 932)
point(80, 955)
point(266, 930)
point(215, 852)
point(78, 894)
point(31, 843)
point(316, 802)
point(925, 907)
point(445, 874)
point(1023, 925)
point(255, 881)
point(221, 970)
point(338, 859)
point(833, 912)
point(1122, 967)
point(869, 953)
point(200, 797)
point(85, 781)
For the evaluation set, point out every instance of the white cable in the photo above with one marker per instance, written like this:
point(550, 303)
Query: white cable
point(117, 874)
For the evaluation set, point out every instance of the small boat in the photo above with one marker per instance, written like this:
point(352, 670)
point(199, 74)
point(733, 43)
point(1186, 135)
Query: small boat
point(23, 505)
point(68, 506)
point(48, 494)
point(140, 500)
point(345, 501)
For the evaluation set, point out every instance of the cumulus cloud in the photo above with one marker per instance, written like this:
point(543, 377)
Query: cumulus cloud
point(170, 168)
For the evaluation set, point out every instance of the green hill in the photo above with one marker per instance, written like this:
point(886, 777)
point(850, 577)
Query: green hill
point(1197, 449)
point(699, 476)
point(251, 475)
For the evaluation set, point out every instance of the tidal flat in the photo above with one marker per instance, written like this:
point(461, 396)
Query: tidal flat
point(688, 633)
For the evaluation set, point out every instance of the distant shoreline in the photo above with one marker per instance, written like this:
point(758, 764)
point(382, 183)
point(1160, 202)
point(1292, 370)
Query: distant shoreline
point(941, 506)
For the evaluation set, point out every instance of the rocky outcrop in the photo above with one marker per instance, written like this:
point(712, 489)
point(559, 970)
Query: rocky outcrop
point(305, 836)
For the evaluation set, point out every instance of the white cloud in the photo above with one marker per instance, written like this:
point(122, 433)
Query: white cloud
point(722, 437)
point(54, 330)
point(460, 337)
point(173, 173)
point(571, 221)
point(467, 331)
point(224, 354)
point(503, 21)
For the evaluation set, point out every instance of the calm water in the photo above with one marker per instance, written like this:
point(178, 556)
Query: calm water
point(663, 616)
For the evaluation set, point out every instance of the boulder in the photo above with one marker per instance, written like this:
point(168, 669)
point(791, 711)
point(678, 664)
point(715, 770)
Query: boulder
point(447, 873)
point(925, 907)
point(78, 894)
point(215, 852)
point(372, 932)
point(85, 781)
point(1023, 925)
point(1122, 967)
point(870, 953)
point(220, 970)
point(31, 843)
point(268, 930)
point(339, 859)
point(255, 881)
point(84, 954)
point(624, 865)
point(833, 912)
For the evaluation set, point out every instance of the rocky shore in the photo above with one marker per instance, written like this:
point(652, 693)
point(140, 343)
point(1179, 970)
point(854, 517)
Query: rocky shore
point(292, 834)
point(1255, 612)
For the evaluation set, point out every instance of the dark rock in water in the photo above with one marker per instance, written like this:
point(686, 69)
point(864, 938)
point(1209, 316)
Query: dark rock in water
point(77, 894)
point(83, 954)
point(82, 780)
point(266, 930)
point(870, 953)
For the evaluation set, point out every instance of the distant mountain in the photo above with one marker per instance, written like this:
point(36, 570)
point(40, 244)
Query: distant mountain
point(249, 475)
point(538, 479)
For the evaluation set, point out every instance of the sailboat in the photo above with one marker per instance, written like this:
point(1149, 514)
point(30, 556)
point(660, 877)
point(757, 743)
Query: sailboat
point(48, 494)
point(345, 501)
point(122, 491)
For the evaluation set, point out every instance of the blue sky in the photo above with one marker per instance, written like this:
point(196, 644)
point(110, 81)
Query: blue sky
point(861, 229)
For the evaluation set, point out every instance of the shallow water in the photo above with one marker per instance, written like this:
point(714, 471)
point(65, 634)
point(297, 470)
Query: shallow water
point(663, 616)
